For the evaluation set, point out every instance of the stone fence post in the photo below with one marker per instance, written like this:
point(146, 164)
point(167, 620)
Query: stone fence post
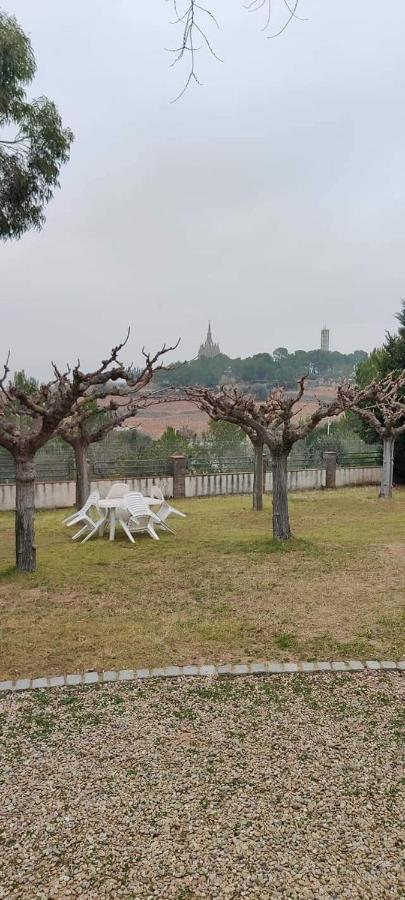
point(179, 468)
point(330, 463)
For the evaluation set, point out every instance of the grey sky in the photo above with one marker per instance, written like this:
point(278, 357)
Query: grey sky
point(271, 200)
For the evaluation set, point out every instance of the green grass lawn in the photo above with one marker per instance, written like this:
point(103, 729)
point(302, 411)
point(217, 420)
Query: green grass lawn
point(219, 590)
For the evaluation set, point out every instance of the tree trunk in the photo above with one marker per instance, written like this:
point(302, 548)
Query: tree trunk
point(388, 467)
point(82, 473)
point(281, 519)
point(26, 551)
point(258, 477)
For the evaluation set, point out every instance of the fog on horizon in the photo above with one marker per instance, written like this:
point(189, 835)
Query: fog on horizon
point(270, 200)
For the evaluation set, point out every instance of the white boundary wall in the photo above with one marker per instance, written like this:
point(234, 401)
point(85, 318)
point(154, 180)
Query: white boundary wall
point(298, 480)
point(346, 477)
point(61, 494)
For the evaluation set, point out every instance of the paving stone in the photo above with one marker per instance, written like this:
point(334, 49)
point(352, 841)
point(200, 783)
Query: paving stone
point(22, 684)
point(90, 677)
point(353, 665)
point(275, 667)
point(208, 670)
point(39, 683)
point(240, 669)
point(110, 676)
point(127, 674)
point(73, 680)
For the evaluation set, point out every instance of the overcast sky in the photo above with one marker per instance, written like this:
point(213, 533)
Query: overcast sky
point(270, 200)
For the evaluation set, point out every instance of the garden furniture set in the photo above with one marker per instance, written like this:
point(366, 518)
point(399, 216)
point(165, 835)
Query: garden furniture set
point(130, 509)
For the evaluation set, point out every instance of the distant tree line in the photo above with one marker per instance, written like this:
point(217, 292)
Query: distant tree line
point(264, 370)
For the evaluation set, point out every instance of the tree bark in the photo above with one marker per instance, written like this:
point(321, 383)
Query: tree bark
point(258, 477)
point(388, 468)
point(82, 473)
point(281, 519)
point(26, 551)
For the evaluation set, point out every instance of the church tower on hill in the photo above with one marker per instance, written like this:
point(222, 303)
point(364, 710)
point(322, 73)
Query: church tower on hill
point(208, 350)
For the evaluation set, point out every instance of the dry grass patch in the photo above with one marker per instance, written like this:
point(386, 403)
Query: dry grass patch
point(219, 590)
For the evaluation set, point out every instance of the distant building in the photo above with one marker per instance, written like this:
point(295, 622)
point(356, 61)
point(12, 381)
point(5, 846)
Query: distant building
point(227, 379)
point(325, 339)
point(208, 350)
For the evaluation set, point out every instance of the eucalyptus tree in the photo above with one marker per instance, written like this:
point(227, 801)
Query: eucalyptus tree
point(33, 142)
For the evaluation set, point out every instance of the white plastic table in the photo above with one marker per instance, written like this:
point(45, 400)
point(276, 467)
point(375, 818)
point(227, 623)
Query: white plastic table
point(111, 504)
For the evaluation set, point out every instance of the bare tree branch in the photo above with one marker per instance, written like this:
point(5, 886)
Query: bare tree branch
point(192, 20)
point(85, 422)
point(271, 423)
point(43, 410)
point(381, 403)
point(271, 420)
point(6, 372)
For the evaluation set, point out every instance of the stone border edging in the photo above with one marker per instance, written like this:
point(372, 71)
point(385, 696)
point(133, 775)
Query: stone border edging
point(265, 668)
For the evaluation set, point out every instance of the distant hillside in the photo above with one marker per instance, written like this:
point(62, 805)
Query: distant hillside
point(264, 369)
point(185, 417)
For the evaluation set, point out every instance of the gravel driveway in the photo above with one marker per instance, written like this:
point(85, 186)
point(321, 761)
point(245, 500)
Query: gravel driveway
point(267, 787)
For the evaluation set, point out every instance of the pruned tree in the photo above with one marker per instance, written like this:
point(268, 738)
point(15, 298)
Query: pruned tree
point(33, 142)
point(88, 425)
point(273, 423)
point(29, 418)
point(382, 405)
point(92, 419)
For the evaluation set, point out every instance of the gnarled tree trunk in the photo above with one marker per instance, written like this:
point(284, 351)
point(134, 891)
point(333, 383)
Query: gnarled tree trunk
point(26, 551)
point(82, 473)
point(388, 467)
point(281, 519)
point(258, 476)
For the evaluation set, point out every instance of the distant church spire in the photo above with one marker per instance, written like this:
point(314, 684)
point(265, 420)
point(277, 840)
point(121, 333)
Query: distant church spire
point(209, 349)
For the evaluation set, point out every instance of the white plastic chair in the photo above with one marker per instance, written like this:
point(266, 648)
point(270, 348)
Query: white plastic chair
point(97, 528)
point(82, 515)
point(139, 518)
point(117, 490)
point(165, 510)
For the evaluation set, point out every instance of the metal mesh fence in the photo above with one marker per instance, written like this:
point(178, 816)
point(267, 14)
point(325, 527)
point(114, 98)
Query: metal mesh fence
point(112, 460)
